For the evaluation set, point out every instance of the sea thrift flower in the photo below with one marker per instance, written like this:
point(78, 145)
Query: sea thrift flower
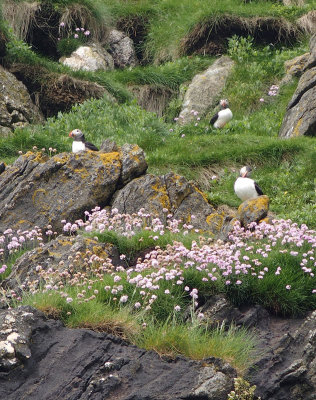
point(177, 308)
point(288, 287)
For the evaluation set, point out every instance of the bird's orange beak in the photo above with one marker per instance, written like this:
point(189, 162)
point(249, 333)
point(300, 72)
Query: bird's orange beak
point(70, 134)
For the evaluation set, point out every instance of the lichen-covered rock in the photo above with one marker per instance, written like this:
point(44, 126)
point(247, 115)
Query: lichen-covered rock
point(89, 58)
point(122, 49)
point(16, 106)
point(72, 254)
point(37, 190)
point(73, 364)
point(300, 118)
point(205, 88)
point(253, 210)
point(170, 193)
point(133, 162)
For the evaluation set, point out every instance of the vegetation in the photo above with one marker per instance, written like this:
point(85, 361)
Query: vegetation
point(157, 305)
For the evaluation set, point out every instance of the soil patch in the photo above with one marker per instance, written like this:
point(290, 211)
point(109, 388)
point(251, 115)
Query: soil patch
point(53, 92)
point(210, 36)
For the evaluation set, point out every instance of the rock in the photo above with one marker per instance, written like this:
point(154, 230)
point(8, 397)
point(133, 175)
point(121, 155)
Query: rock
point(89, 58)
point(37, 190)
point(15, 333)
point(72, 254)
point(170, 192)
point(95, 366)
point(253, 210)
point(296, 66)
point(300, 118)
point(122, 49)
point(133, 162)
point(287, 368)
point(16, 106)
point(205, 88)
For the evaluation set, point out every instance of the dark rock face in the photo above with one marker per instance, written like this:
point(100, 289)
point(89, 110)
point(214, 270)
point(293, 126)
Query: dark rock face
point(122, 49)
point(300, 119)
point(286, 369)
point(71, 364)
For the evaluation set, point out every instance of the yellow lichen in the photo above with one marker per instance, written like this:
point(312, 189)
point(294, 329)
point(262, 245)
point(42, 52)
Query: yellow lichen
point(215, 221)
point(161, 195)
point(296, 131)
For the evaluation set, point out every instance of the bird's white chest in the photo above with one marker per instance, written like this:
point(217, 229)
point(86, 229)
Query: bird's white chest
point(224, 116)
point(245, 188)
point(78, 146)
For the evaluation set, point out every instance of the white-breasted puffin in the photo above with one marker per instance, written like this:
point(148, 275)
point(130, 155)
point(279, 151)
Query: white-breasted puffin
point(221, 118)
point(80, 143)
point(245, 187)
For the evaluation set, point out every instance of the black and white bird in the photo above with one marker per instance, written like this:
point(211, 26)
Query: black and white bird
point(80, 143)
point(221, 118)
point(245, 187)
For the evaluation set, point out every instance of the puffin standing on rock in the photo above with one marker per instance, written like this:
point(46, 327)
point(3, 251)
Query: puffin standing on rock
point(80, 143)
point(246, 188)
point(221, 118)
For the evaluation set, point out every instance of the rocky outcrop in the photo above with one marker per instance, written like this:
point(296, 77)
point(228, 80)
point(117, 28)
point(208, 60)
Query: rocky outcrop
point(300, 118)
point(170, 193)
point(89, 58)
point(41, 359)
point(253, 210)
point(122, 49)
point(205, 88)
point(16, 106)
point(70, 254)
point(37, 190)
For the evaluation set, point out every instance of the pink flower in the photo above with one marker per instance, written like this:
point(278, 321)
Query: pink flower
point(177, 308)
point(288, 287)
point(261, 100)
point(76, 36)
point(123, 299)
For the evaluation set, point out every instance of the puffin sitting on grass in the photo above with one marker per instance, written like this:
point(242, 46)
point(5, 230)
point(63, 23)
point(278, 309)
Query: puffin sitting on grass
point(245, 187)
point(80, 143)
point(220, 119)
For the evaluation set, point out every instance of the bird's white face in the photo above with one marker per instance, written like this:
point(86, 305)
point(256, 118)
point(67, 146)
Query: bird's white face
point(223, 103)
point(75, 133)
point(245, 172)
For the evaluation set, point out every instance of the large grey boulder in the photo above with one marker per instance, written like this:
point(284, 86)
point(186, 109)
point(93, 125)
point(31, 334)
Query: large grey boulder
point(122, 49)
point(89, 58)
point(37, 190)
point(300, 118)
point(205, 88)
point(169, 194)
point(71, 364)
point(16, 106)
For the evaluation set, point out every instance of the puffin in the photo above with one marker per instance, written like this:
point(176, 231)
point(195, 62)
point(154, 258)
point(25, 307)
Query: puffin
point(221, 118)
point(80, 143)
point(245, 187)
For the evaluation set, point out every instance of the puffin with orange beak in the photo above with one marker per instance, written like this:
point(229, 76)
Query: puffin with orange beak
point(245, 187)
point(80, 143)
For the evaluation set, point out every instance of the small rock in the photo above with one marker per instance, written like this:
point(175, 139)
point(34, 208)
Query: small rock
point(253, 210)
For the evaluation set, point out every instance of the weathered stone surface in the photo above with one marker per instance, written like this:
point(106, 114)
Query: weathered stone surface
point(253, 210)
point(37, 190)
point(296, 66)
point(170, 192)
point(205, 88)
point(16, 106)
point(73, 364)
point(133, 162)
point(287, 368)
point(15, 333)
point(65, 253)
point(300, 118)
point(89, 58)
point(122, 49)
